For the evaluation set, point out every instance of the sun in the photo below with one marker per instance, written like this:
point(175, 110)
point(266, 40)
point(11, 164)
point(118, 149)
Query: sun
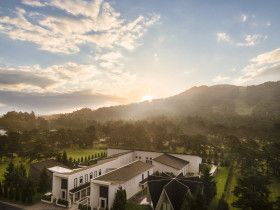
point(147, 98)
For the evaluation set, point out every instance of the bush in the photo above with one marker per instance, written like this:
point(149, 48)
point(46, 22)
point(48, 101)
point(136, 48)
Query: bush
point(62, 202)
point(46, 198)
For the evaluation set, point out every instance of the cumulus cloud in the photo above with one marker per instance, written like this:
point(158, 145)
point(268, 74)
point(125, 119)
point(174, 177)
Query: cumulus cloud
point(220, 78)
point(265, 65)
point(223, 37)
point(250, 40)
point(83, 22)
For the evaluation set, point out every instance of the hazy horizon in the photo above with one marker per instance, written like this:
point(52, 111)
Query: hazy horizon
point(61, 56)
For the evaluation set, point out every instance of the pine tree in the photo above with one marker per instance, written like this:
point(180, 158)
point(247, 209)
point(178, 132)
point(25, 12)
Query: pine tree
point(5, 191)
point(11, 193)
point(210, 189)
point(98, 155)
point(82, 159)
point(29, 190)
point(44, 181)
point(92, 156)
point(8, 174)
point(95, 155)
point(89, 157)
point(17, 193)
point(1, 190)
point(64, 158)
point(58, 157)
point(78, 160)
point(85, 158)
point(120, 199)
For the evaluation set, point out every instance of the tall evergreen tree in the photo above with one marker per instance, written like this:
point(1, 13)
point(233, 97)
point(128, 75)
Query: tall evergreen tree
point(11, 192)
point(196, 201)
point(5, 193)
point(58, 157)
point(17, 193)
point(210, 189)
point(1, 190)
point(8, 174)
point(44, 181)
point(120, 199)
point(64, 158)
point(252, 192)
point(29, 190)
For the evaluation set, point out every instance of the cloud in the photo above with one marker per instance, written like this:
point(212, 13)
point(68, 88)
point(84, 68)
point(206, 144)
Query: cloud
point(55, 102)
point(220, 78)
point(250, 40)
point(11, 77)
point(265, 65)
point(33, 3)
point(223, 37)
point(244, 18)
point(80, 22)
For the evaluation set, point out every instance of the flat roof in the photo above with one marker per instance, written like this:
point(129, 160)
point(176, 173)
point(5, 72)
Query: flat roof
point(171, 161)
point(125, 173)
point(88, 167)
point(58, 169)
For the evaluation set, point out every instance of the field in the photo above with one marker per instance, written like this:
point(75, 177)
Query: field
point(220, 178)
point(71, 152)
point(78, 153)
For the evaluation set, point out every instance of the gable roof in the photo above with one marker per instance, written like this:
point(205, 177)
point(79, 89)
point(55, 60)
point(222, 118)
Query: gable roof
point(125, 173)
point(174, 188)
point(171, 161)
point(48, 164)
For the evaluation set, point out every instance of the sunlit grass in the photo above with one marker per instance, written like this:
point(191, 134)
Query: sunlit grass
point(231, 197)
point(78, 152)
point(221, 178)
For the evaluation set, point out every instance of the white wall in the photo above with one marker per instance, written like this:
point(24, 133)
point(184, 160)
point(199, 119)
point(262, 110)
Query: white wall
point(56, 185)
point(164, 168)
point(131, 186)
point(194, 161)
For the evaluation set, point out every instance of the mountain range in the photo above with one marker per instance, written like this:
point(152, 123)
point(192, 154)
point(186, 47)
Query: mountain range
point(228, 100)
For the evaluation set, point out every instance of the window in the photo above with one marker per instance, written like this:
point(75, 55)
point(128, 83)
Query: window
point(75, 182)
point(86, 178)
point(139, 157)
point(63, 194)
point(148, 173)
point(150, 158)
point(95, 174)
point(142, 176)
point(81, 180)
point(147, 158)
point(136, 157)
point(90, 175)
point(99, 172)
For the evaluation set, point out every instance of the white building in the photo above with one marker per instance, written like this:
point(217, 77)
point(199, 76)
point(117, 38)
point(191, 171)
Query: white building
point(129, 177)
point(88, 182)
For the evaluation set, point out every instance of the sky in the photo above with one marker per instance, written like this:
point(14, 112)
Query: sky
point(58, 56)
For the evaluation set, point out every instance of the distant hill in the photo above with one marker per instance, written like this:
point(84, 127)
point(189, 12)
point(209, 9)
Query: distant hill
point(228, 100)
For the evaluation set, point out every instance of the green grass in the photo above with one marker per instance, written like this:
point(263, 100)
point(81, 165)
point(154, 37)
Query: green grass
point(78, 153)
point(220, 178)
point(233, 183)
point(133, 206)
point(274, 188)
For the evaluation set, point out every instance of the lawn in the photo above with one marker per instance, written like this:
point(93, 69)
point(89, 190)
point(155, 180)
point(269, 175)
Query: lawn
point(233, 183)
point(78, 153)
point(221, 178)
point(133, 206)
point(274, 188)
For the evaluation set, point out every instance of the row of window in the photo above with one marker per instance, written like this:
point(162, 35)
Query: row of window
point(147, 158)
point(86, 178)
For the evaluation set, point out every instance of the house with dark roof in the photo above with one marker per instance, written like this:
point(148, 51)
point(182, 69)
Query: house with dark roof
point(50, 164)
point(165, 192)
point(104, 188)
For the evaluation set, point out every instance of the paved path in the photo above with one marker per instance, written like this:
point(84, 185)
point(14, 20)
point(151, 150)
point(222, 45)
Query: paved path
point(37, 206)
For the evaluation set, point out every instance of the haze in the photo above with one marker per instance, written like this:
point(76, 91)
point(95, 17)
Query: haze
point(58, 56)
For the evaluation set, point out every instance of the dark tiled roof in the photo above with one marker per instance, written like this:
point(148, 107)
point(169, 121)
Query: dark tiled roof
point(76, 189)
point(175, 188)
point(125, 173)
point(48, 164)
point(171, 161)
